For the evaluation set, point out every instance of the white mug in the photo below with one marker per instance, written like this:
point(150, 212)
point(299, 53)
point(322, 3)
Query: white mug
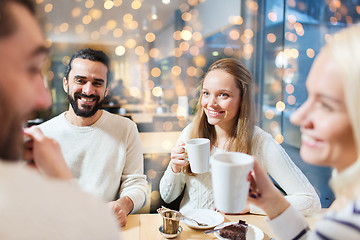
point(198, 151)
point(230, 172)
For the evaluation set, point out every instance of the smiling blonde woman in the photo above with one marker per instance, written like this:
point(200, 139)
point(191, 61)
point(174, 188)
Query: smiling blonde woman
point(329, 121)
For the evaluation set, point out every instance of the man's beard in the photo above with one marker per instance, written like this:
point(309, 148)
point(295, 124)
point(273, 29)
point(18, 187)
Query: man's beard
point(88, 111)
point(11, 137)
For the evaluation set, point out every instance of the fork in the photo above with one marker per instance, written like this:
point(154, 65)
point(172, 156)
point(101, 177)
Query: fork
point(184, 217)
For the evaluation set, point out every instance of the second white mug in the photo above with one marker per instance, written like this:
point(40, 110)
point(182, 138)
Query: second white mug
point(230, 171)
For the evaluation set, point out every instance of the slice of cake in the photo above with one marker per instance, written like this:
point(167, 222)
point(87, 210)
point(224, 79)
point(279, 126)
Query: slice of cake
point(235, 231)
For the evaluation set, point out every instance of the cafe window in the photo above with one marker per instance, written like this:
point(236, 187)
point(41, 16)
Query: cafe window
point(160, 51)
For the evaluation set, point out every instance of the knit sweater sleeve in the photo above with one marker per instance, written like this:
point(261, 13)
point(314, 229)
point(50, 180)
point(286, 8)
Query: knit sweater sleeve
point(299, 192)
point(172, 184)
point(133, 181)
point(341, 224)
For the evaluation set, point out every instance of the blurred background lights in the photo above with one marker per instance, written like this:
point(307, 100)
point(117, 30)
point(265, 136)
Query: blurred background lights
point(177, 35)
point(191, 71)
point(184, 46)
point(280, 106)
point(234, 34)
point(111, 24)
point(272, 16)
point(269, 114)
point(89, 3)
point(197, 36)
point(120, 50)
point(150, 84)
point(177, 52)
point(290, 88)
point(291, 100)
point(136, 4)
point(134, 92)
point(157, 91)
point(154, 52)
point(271, 37)
point(155, 72)
point(194, 50)
point(184, 7)
point(127, 18)
point(154, 13)
point(165, 1)
point(279, 138)
point(176, 70)
point(252, 5)
point(130, 43)
point(117, 33)
point(228, 51)
point(186, 16)
point(192, 2)
point(76, 12)
point(155, 195)
point(95, 13)
point(64, 27)
point(186, 35)
point(151, 174)
point(248, 33)
point(108, 4)
point(117, 3)
point(215, 53)
point(310, 52)
point(236, 20)
point(65, 60)
point(292, 19)
point(150, 37)
point(139, 50)
point(280, 60)
point(48, 8)
point(86, 19)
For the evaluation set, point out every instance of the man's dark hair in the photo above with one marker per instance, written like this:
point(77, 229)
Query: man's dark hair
point(7, 20)
point(92, 55)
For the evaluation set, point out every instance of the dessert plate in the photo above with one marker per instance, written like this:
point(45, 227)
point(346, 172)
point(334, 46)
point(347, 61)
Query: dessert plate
point(210, 217)
point(253, 232)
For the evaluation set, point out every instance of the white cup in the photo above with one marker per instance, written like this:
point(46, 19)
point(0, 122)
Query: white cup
point(198, 151)
point(230, 172)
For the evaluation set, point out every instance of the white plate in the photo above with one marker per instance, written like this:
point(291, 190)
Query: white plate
point(210, 217)
point(253, 232)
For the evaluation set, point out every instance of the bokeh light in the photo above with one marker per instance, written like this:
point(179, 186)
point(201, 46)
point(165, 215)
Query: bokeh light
point(157, 91)
point(280, 106)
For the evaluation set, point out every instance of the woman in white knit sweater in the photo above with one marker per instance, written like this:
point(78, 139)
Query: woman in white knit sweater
point(225, 115)
point(329, 121)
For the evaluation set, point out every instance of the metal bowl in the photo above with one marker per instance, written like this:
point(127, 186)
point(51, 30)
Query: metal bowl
point(174, 235)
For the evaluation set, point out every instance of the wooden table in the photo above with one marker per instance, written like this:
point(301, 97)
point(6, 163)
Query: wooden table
point(146, 227)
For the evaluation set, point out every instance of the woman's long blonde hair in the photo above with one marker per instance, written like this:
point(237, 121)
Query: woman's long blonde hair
point(240, 140)
point(345, 49)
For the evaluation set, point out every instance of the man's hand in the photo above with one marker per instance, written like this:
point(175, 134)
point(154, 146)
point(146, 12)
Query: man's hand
point(45, 154)
point(121, 208)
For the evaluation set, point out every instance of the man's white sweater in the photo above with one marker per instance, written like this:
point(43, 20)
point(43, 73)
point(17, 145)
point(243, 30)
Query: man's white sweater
point(106, 158)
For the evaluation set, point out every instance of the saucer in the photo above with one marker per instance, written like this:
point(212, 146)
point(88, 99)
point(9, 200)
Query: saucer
point(210, 217)
point(174, 235)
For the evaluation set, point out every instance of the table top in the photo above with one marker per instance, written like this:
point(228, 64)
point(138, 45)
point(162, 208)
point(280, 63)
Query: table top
point(146, 226)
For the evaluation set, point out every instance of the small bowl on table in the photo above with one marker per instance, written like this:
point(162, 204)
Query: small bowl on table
point(170, 235)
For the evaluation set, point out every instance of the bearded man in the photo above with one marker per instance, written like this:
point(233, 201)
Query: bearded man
point(102, 150)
